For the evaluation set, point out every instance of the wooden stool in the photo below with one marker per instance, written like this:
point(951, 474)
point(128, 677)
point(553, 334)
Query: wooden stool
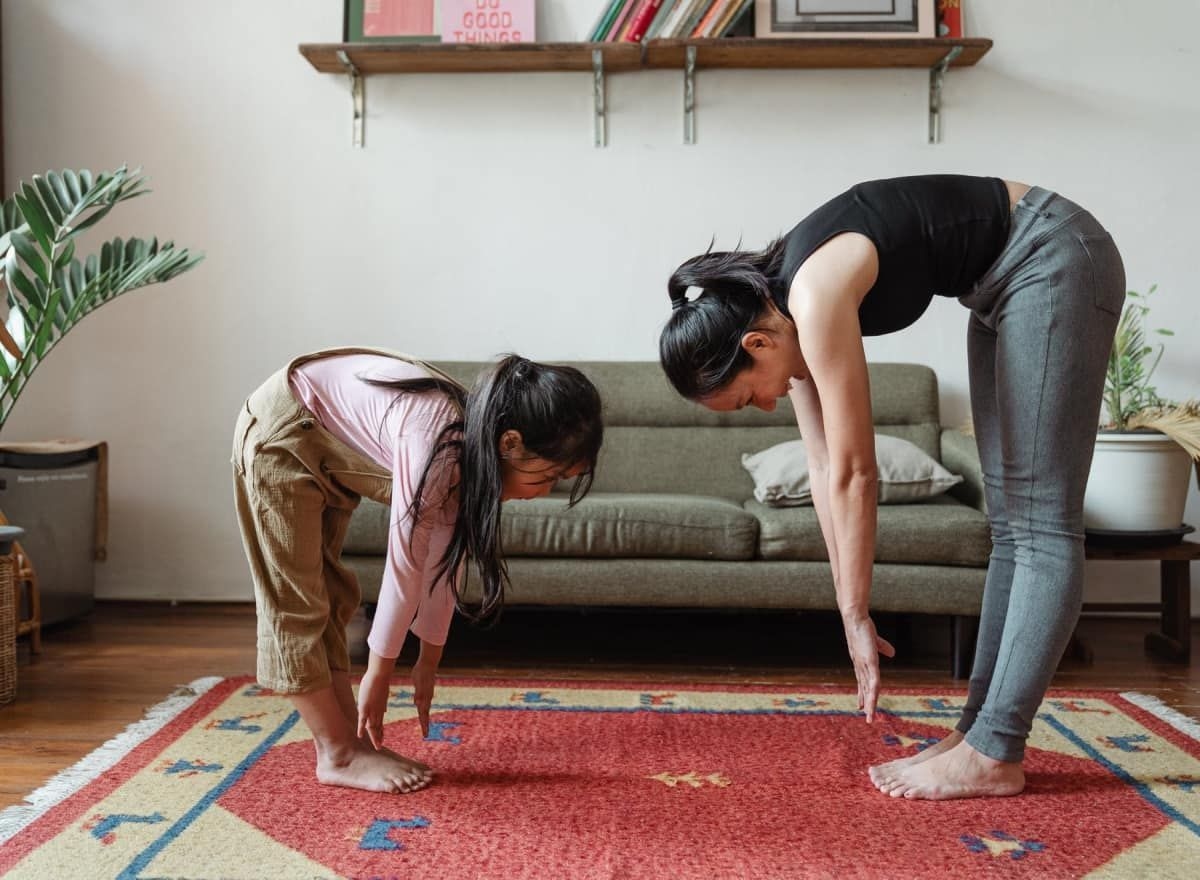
point(28, 595)
point(1173, 641)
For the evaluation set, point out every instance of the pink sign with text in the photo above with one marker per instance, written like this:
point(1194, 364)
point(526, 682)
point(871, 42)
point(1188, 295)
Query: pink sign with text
point(488, 21)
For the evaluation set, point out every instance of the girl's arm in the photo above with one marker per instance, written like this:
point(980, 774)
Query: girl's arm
point(411, 595)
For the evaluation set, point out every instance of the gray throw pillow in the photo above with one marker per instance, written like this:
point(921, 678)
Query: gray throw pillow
point(906, 473)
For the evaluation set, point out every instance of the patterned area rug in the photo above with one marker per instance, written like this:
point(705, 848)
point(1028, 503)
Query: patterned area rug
point(583, 780)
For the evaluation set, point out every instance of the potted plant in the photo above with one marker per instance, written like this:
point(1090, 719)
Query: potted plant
point(1142, 465)
point(48, 289)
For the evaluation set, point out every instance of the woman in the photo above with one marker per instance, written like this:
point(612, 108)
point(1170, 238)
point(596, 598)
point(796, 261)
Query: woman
point(336, 425)
point(1045, 286)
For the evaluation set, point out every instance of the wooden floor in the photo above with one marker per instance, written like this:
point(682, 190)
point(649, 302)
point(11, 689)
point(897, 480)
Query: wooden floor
point(99, 674)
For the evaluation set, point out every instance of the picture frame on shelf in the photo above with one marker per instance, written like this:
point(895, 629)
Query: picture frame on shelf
point(391, 21)
point(863, 19)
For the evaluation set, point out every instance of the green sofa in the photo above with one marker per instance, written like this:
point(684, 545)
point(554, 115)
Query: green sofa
point(671, 521)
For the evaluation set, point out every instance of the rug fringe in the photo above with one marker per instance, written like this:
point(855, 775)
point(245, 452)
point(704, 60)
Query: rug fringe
point(67, 782)
point(1175, 718)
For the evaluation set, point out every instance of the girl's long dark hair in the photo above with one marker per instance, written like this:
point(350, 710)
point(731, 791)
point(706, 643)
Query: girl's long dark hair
point(556, 410)
point(701, 345)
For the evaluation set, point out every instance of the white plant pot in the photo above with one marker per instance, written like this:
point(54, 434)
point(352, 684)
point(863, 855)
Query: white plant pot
point(1138, 483)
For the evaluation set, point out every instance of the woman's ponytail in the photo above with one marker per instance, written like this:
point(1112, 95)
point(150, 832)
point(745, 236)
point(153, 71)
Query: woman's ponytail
point(701, 345)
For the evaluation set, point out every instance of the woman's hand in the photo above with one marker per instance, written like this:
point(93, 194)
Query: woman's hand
point(424, 675)
point(373, 692)
point(865, 647)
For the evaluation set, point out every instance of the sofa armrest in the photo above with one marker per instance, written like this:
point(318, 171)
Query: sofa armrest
point(960, 456)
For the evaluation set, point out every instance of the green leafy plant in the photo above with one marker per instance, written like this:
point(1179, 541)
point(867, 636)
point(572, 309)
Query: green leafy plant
point(1134, 404)
point(48, 290)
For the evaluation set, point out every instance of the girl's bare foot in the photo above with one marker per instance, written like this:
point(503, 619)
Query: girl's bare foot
point(362, 767)
point(883, 774)
point(959, 772)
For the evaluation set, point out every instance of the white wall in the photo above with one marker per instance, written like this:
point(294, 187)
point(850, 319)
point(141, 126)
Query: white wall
point(481, 219)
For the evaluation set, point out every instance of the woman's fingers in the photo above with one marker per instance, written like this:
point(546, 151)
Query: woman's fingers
point(872, 695)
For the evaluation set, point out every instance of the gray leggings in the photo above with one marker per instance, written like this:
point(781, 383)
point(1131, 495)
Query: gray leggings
point(1041, 327)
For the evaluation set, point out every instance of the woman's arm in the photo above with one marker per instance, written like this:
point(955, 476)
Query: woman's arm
point(807, 405)
point(836, 406)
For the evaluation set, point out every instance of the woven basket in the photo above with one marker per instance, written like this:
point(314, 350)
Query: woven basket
point(8, 615)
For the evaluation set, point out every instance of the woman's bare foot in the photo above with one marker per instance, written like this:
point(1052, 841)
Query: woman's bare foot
point(959, 772)
point(362, 767)
point(883, 774)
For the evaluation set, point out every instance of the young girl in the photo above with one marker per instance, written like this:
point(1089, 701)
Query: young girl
point(337, 425)
point(1045, 285)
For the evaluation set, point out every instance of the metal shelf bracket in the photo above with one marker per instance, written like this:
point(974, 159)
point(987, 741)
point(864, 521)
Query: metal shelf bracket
point(358, 95)
point(937, 75)
point(689, 96)
point(599, 89)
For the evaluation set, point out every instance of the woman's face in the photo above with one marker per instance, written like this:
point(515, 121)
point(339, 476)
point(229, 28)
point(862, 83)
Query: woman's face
point(775, 360)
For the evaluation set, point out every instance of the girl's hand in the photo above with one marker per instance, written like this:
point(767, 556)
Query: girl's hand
point(372, 704)
point(865, 647)
point(424, 675)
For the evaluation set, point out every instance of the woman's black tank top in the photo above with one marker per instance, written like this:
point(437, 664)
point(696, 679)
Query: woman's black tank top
point(936, 235)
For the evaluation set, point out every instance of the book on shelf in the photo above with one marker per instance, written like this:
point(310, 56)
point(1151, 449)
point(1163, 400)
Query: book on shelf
point(667, 31)
point(641, 20)
point(635, 21)
point(604, 23)
point(635, 9)
point(690, 18)
point(664, 12)
point(706, 20)
point(618, 27)
point(736, 17)
point(949, 19)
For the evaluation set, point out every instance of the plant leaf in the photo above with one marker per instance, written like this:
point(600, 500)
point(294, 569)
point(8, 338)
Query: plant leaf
point(66, 255)
point(30, 255)
point(49, 199)
point(35, 216)
point(74, 187)
point(42, 339)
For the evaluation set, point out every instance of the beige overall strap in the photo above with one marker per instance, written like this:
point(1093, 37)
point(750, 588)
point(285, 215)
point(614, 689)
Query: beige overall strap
point(407, 358)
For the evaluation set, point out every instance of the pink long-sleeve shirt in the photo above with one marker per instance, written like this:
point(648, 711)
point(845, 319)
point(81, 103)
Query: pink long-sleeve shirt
point(397, 431)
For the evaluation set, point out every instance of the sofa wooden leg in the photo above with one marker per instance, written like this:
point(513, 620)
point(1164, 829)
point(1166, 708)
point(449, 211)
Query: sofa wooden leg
point(963, 631)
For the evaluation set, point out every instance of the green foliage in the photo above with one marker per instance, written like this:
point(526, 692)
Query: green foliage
point(1131, 364)
point(47, 289)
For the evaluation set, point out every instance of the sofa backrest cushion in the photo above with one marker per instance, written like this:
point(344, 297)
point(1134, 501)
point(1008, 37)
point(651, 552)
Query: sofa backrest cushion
point(655, 441)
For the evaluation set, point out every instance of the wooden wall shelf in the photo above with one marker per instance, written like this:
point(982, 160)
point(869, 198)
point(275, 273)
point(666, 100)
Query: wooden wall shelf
point(361, 59)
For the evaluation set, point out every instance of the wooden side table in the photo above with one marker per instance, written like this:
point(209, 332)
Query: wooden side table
point(1174, 641)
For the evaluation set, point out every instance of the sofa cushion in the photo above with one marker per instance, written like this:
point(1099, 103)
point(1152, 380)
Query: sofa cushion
point(630, 525)
point(941, 531)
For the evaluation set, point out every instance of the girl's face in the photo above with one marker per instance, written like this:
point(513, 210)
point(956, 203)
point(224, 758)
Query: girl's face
point(525, 475)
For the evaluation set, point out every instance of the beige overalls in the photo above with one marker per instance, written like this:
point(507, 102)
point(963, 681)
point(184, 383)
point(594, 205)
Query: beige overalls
point(296, 486)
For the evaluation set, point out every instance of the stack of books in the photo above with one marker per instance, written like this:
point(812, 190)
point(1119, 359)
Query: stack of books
point(632, 21)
